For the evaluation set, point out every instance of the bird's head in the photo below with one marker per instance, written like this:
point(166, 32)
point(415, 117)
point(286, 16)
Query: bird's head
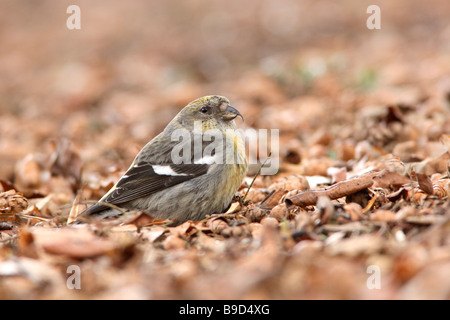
point(214, 112)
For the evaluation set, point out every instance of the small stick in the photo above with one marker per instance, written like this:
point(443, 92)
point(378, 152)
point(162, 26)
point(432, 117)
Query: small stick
point(257, 174)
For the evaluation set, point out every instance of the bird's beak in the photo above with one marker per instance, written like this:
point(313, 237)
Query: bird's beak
point(230, 113)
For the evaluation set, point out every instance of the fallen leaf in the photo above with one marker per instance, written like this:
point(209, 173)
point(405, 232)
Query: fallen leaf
point(382, 216)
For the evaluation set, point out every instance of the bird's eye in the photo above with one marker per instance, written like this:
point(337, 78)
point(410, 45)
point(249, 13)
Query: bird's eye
point(203, 109)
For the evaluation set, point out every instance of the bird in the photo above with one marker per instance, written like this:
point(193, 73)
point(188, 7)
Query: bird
point(182, 174)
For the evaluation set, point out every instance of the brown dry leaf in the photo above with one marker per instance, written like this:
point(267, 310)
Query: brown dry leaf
point(12, 202)
point(445, 140)
point(242, 230)
point(206, 242)
point(336, 191)
point(397, 195)
point(393, 114)
point(26, 243)
point(28, 173)
point(430, 283)
point(261, 263)
point(173, 242)
point(140, 219)
point(184, 230)
point(325, 208)
point(37, 271)
point(383, 216)
point(272, 199)
point(363, 198)
point(289, 183)
point(425, 219)
point(154, 233)
point(291, 155)
point(217, 225)
point(408, 262)
point(337, 174)
point(356, 227)
point(255, 214)
point(354, 210)
point(80, 249)
point(405, 212)
point(359, 245)
point(6, 186)
point(417, 196)
point(66, 162)
point(270, 221)
point(424, 181)
point(279, 212)
point(77, 243)
point(391, 180)
point(76, 209)
point(303, 223)
point(254, 195)
point(235, 207)
point(441, 188)
point(317, 167)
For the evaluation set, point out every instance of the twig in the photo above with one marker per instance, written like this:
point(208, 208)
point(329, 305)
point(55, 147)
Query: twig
point(257, 174)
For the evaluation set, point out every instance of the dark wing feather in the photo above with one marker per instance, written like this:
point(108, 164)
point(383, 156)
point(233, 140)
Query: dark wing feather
point(142, 180)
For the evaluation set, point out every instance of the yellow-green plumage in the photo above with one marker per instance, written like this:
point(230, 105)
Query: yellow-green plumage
point(180, 192)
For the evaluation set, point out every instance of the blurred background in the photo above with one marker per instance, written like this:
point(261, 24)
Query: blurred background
point(299, 66)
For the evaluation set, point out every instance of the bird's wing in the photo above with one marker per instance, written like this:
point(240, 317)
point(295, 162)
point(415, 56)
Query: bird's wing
point(144, 179)
point(152, 172)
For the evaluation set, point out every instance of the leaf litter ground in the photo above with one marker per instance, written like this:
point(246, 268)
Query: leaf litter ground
point(358, 210)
